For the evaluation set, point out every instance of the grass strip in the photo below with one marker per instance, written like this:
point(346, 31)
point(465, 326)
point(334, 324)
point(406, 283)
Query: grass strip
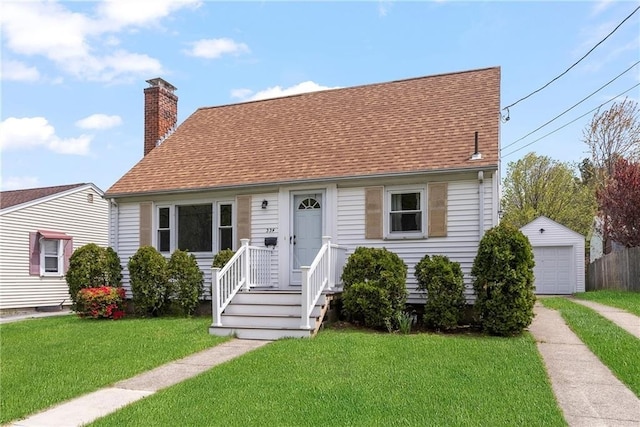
point(354, 378)
point(629, 301)
point(614, 346)
point(47, 361)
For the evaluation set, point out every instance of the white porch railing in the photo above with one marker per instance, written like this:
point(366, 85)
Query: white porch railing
point(323, 273)
point(249, 266)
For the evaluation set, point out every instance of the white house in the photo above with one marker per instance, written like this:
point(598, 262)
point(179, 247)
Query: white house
point(410, 165)
point(39, 229)
point(559, 255)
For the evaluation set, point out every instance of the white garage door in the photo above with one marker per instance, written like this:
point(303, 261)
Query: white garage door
point(554, 272)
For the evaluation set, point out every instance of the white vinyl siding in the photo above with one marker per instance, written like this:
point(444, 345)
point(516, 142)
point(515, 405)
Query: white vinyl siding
point(264, 223)
point(460, 245)
point(70, 213)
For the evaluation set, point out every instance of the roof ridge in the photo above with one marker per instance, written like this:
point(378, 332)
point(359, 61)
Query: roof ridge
point(407, 79)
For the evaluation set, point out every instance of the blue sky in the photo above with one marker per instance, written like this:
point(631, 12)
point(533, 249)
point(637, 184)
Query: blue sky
point(73, 73)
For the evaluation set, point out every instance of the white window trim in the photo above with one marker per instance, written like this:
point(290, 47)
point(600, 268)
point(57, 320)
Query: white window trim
point(60, 271)
point(216, 225)
point(173, 223)
point(388, 191)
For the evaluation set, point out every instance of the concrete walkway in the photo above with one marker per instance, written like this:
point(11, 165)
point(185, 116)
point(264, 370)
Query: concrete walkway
point(88, 408)
point(627, 321)
point(586, 390)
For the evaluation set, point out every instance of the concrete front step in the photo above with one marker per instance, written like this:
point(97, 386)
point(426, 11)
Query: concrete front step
point(268, 315)
point(267, 309)
point(288, 322)
point(260, 333)
point(269, 297)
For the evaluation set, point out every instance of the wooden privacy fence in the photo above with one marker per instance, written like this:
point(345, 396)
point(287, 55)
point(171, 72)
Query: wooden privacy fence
point(617, 270)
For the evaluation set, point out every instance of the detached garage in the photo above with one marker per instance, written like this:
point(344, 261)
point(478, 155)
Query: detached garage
point(559, 256)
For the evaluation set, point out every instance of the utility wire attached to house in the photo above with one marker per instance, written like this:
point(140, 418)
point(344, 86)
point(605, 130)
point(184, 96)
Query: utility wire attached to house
point(572, 107)
point(572, 121)
point(574, 64)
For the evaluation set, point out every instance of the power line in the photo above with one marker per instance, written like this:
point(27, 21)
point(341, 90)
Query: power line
point(572, 107)
point(572, 121)
point(577, 62)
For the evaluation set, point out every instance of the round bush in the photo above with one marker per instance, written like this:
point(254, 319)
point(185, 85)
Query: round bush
point(91, 266)
point(377, 268)
point(503, 271)
point(149, 278)
point(187, 281)
point(368, 303)
point(442, 283)
point(222, 258)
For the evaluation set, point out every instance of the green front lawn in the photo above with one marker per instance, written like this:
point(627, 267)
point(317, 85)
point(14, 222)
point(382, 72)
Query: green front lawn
point(46, 361)
point(363, 379)
point(629, 301)
point(614, 346)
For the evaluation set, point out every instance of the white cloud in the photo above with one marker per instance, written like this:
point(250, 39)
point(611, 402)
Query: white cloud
point(18, 182)
point(384, 6)
point(600, 7)
point(32, 132)
point(83, 45)
point(241, 93)
point(277, 91)
point(121, 13)
point(19, 71)
point(215, 48)
point(99, 121)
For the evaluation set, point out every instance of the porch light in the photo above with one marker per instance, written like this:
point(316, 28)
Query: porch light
point(265, 203)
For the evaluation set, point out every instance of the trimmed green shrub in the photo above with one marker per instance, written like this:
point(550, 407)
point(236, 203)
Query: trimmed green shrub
point(92, 266)
point(149, 278)
point(368, 303)
point(503, 271)
point(113, 268)
point(106, 302)
point(442, 283)
point(187, 281)
point(374, 268)
point(222, 258)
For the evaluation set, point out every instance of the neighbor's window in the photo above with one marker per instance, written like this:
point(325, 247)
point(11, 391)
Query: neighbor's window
point(225, 226)
point(195, 227)
point(50, 257)
point(406, 212)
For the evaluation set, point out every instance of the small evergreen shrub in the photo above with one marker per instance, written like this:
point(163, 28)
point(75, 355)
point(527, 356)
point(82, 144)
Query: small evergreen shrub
point(442, 283)
point(368, 303)
point(149, 278)
point(187, 281)
point(222, 258)
point(91, 266)
point(104, 302)
point(503, 271)
point(113, 268)
point(368, 269)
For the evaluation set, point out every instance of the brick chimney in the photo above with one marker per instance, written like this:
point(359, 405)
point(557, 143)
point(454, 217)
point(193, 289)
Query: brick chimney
point(160, 112)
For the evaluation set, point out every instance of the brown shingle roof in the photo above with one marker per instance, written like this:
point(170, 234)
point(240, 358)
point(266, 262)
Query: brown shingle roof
point(420, 124)
point(17, 197)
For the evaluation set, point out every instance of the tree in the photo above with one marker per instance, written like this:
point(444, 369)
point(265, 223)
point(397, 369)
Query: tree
point(538, 185)
point(618, 202)
point(611, 134)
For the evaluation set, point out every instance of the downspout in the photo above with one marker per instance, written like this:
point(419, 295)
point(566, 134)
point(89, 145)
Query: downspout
point(115, 227)
point(480, 204)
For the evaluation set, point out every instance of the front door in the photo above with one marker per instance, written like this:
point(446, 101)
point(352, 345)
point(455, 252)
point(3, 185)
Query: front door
point(307, 232)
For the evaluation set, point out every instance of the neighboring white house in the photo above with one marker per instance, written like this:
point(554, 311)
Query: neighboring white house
point(39, 229)
point(559, 255)
point(410, 165)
